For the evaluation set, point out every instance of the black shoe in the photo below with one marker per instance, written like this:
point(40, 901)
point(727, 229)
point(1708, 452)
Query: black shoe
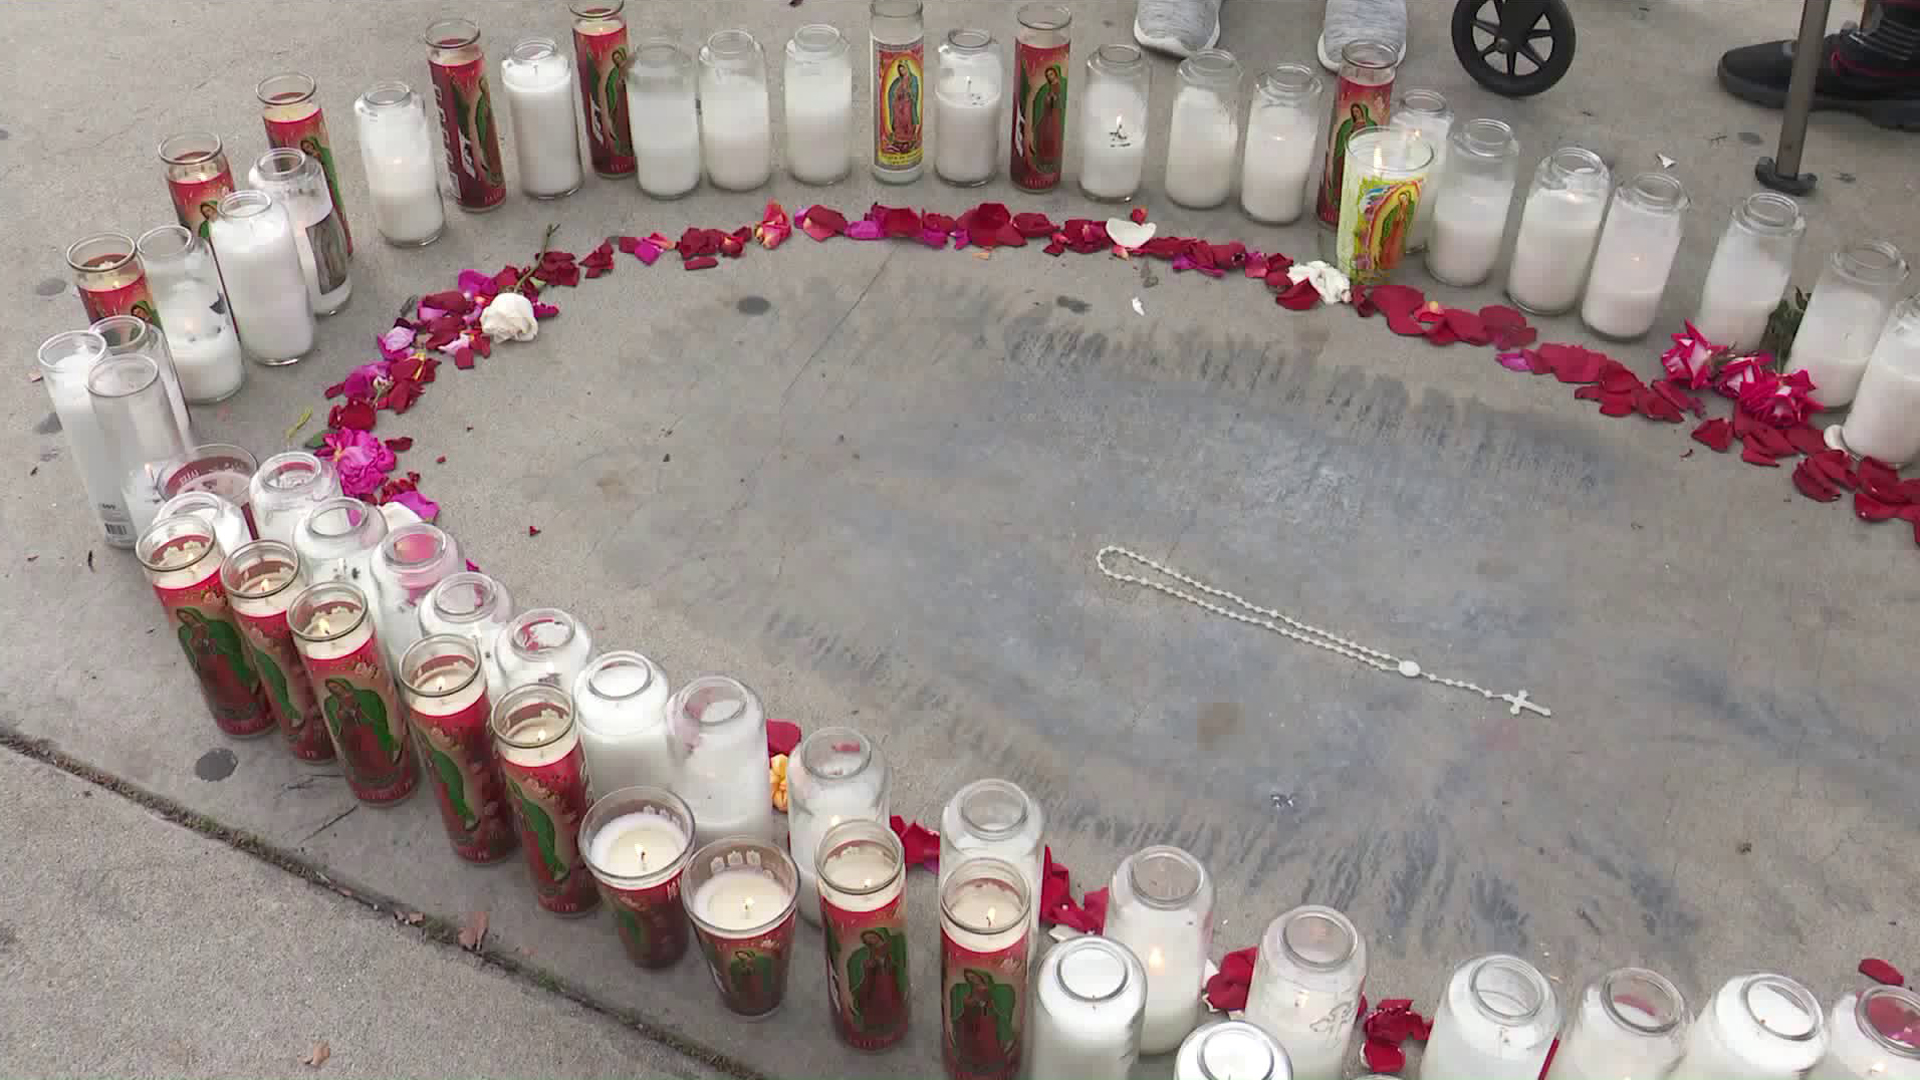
point(1849, 80)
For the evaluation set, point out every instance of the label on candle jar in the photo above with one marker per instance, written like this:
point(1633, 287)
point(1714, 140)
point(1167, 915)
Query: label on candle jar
point(472, 140)
point(202, 621)
point(1376, 213)
point(362, 711)
point(548, 801)
point(295, 707)
point(651, 922)
point(133, 298)
point(198, 201)
point(309, 135)
point(899, 123)
point(750, 972)
point(601, 60)
point(867, 973)
point(465, 779)
point(982, 1010)
point(328, 237)
point(1039, 115)
point(1356, 108)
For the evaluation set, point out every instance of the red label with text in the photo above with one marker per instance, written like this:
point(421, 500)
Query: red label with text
point(751, 972)
point(548, 801)
point(651, 921)
point(198, 201)
point(204, 625)
point(1039, 115)
point(472, 139)
point(290, 694)
point(867, 973)
point(600, 61)
point(1355, 109)
point(309, 134)
point(983, 1009)
point(899, 105)
point(362, 710)
point(465, 778)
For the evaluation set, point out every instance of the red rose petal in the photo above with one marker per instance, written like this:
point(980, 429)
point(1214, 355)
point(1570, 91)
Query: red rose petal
point(1868, 508)
point(700, 262)
point(1138, 215)
point(821, 222)
point(533, 530)
point(1033, 226)
point(1362, 1013)
point(463, 359)
point(1882, 972)
point(1654, 406)
point(1383, 1057)
point(400, 396)
point(1812, 484)
point(940, 222)
point(400, 445)
point(544, 311)
point(1677, 396)
point(1769, 440)
point(1880, 481)
point(1616, 378)
point(1836, 466)
point(1753, 455)
point(1468, 327)
point(356, 415)
point(1299, 296)
point(1507, 327)
point(1807, 440)
point(441, 460)
point(335, 390)
point(1394, 297)
point(1552, 1049)
point(782, 737)
point(1055, 249)
point(508, 277)
point(453, 300)
point(1225, 994)
point(1716, 433)
point(1571, 363)
point(1277, 278)
point(1619, 404)
point(921, 844)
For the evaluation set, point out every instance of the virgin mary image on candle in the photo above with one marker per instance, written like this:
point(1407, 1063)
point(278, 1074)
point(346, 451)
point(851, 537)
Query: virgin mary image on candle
point(877, 978)
point(982, 1039)
point(358, 719)
point(213, 649)
point(1358, 120)
point(1046, 128)
point(1386, 215)
point(903, 108)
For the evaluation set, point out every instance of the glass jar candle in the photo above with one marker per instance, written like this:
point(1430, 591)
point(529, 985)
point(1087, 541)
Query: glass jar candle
point(600, 53)
point(1496, 1022)
point(228, 524)
point(1755, 1027)
point(1231, 1050)
point(338, 541)
point(1113, 123)
point(717, 732)
point(1040, 51)
point(188, 293)
point(1362, 99)
point(332, 626)
point(197, 177)
point(736, 125)
point(1559, 226)
point(1884, 422)
point(291, 113)
point(986, 912)
point(448, 710)
point(139, 429)
point(409, 562)
point(261, 580)
point(899, 52)
point(297, 183)
point(538, 746)
point(1385, 182)
point(1427, 112)
point(396, 149)
point(995, 818)
point(1088, 1000)
point(539, 84)
point(741, 893)
point(285, 489)
point(1844, 317)
point(458, 65)
point(108, 277)
point(1205, 131)
point(835, 775)
point(253, 240)
point(544, 645)
point(1873, 1035)
point(637, 842)
point(1630, 1024)
point(65, 360)
point(130, 334)
point(966, 104)
point(1750, 270)
point(1160, 905)
point(1283, 142)
point(819, 96)
point(182, 560)
point(862, 906)
point(1307, 976)
point(221, 469)
point(1470, 211)
point(666, 119)
point(622, 701)
point(472, 604)
point(1635, 256)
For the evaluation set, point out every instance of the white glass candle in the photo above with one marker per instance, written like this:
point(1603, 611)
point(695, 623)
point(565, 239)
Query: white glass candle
point(1160, 905)
point(819, 95)
point(337, 541)
point(995, 818)
point(1426, 112)
point(1089, 996)
point(543, 645)
point(1306, 985)
point(200, 334)
point(253, 241)
point(409, 563)
point(1558, 229)
point(396, 148)
point(718, 733)
point(1205, 133)
point(1113, 122)
point(621, 702)
point(736, 126)
point(664, 113)
point(1470, 211)
point(1283, 144)
point(65, 359)
point(229, 525)
point(1630, 1024)
point(476, 607)
point(1844, 317)
point(140, 429)
point(1885, 420)
point(836, 775)
point(133, 334)
point(636, 844)
point(966, 106)
point(1756, 1027)
point(1750, 270)
point(1873, 1035)
point(1231, 1050)
point(286, 488)
point(298, 183)
point(1496, 1022)
point(1635, 256)
point(538, 80)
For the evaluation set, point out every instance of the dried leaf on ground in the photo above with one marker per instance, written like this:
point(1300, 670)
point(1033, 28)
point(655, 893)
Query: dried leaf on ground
point(474, 931)
point(317, 1056)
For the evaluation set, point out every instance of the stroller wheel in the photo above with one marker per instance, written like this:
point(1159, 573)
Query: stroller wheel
point(1515, 48)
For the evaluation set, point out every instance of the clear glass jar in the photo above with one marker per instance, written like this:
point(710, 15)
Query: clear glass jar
point(1750, 270)
point(1755, 1027)
point(1160, 905)
point(622, 701)
point(1559, 227)
point(188, 293)
point(1283, 143)
point(410, 562)
point(1231, 1050)
point(1496, 1022)
point(666, 119)
point(458, 65)
point(543, 645)
point(297, 183)
point(140, 430)
point(835, 775)
point(108, 278)
point(1470, 211)
point(898, 33)
point(539, 84)
point(995, 818)
point(718, 735)
point(1362, 98)
point(736, 123)
point(285, 488)
point(1386, 180)
point(1884, 422)
point(600, 49)
point(129, 334)
point(290, 111)
point(967, 100)
point(254, 242)
point(1873, 1035)
point(1114, 132)
point(1427, 112)
point(1630, 1024)
point(198, 177)
point(396, 148)
point(1089, 998)
point(228, 524)
point(1635, 256)
point(1040, 67)
point(1305, 993)
point(1205, 131)
point(819, 96)
point(224, 469)
point(338, 541)
point(474, 605)
point(1844, 317)
point(862, 884)
point(65, 360)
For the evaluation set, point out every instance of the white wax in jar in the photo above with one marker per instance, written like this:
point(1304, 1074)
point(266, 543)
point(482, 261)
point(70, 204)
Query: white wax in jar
point(1306, 1023)
point(1630, 269)
point(740, 899)
point(1835, 338)
point(1200, 149)
point(1434, 131)
point(637, 844)
point(540, 101)
point(206, 349)
point(625, 742)
point(725, 782)
point(1885, 420)
point(989, 905)
point(1741, 291)
point(1854, 1054)
point(91, 456)
point(266, 290)
point(1172, 947)
point(966, 149)
point(809, 821)
point(406, 200)
point(1083, 1025)
point(1113, 141)
point(1469, 221)
point(1599, 1048)
point(1558, 230)
point(820, 133)
point(1230, 1050)
point(1282, 147)
point(736, 135)
point(1729, 1042)
point(666, 141)
point(859, 867)
point(1469, 1044)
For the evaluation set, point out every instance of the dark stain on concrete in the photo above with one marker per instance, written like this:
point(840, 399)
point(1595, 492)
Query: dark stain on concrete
point(1077, 306)
point(1496, 903)
point(216, 765)
point(5, 134)
point(48, 426)
point(1751, 138)
point(1218, 721)
point(753, 305)
point(52, 286)
point(8, 939)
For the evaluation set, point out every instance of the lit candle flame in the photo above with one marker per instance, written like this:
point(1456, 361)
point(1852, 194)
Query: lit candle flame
point(1155, 959)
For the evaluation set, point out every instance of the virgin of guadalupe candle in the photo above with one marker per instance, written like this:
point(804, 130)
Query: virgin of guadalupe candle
point(65, 360)
point(182, 560)
point(197, 177)
point(1113, 122)
point(718, 736)
point(200, 332)
point(333, 628)
point(476, 606)
point(319, 235)
point(1750, 270)
point(1040, 95)
point(1470, 211)
point(459, 68)
point(261, 580)
point(1755, 1027)
point(1283, 142)
point(538, 79)
point(448, 709)
point(1386, 178)
point(294, 121)
point(1635, 256)
point(967, 99)
point(1884, 422)
point(996, 818)
point(985, 913)
point(1559, 227)
point(1231, 1050)
point(600, 55)
point(396, 149)
point(285, 489)
point(1849, 307)
point(108, 278)
point(1630, 1024)
point(741, 893)
point(1496, 1022)
point(1426, 112)
point(862, 911)
point(538, 747)
point(899, 55)
point(836, 775)
point(1205, 132)
point(1362, 99)
point(1875, 1035)
point(665, 109)
point(1161, 906)
point(637, 842)
point(543, 645)
point(622, 701)
point(819, 96)
point(736, 122)
point(1088, 999)
point(253, 241)
point(1307, 977)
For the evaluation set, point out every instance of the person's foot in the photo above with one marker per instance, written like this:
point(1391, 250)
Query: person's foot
point(1177, 27)
point(1362, 20)
point(1873, 71)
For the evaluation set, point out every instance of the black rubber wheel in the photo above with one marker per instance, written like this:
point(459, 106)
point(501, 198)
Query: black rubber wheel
point(1509, 59)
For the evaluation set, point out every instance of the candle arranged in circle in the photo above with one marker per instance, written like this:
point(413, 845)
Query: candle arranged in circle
point(1113, 122)
point(197, 177)
point(1385, 179)
point(182, 560)
point(819, 96)
point(1161, 907)
point(719, 743)
point(899, 76)
point(622, 699)
point(261, 580)
point(447, 704)
point(600, 56)
point(1755, 1027)
point(862, 909)
point(459, 68)
point(1875, 1035)
point(1089, 1003)
point(1496, 1022)
point(396, 149)
point(1040, 95)
point(333, 627)
point(108, 278)
point(985, 912)
point(741, 893)
point(546, 782)
point(1307, 979)
point(835, 775)
point(538, 80)
point(293, 119)
point(1231, 1050)
point(1630, 1024)
point(637, 842)
point(665, 113)
point(1362, 100)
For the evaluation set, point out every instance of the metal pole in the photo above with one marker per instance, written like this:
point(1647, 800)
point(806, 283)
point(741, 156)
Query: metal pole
point(1782, 171)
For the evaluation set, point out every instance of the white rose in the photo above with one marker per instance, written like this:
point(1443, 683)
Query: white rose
point(509, 318)
point(1328, 281)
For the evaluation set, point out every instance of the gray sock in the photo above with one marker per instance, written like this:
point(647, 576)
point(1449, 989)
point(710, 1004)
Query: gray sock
point(1179, 27)
point(1362, 20)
